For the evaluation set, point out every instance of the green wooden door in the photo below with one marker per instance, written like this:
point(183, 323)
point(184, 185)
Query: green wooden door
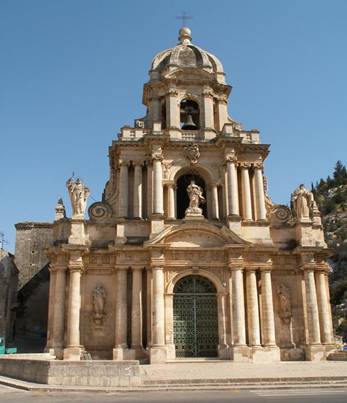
point(195, 318)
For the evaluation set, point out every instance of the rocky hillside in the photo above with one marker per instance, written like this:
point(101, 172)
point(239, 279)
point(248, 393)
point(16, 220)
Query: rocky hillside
point(331, 196)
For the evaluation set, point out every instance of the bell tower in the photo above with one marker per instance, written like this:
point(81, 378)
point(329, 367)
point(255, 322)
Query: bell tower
point(186, 91)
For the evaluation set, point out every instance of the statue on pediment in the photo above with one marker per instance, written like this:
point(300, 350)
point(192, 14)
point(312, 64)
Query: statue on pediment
point(78, 193)
point(302, 202)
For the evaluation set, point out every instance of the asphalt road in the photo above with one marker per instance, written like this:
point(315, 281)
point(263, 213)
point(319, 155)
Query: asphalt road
point(233, 396)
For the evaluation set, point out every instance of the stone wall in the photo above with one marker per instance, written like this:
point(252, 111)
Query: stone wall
point(31, 240)
point(8, 295)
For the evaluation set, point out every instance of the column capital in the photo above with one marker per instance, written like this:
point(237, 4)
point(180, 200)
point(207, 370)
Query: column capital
point(57, 268)
point(157, 153)
point(207, 93)
point(245, 165)
point(258, 165)
point(137, 267)
point(123, 162)
point(138, 163)
point(157, 266)
point(120, 267)
point(172, 92)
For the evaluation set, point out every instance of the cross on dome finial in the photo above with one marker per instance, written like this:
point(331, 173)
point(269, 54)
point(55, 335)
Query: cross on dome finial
point(185, 34)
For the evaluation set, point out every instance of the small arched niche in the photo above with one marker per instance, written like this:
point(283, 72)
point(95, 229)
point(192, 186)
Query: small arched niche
point(182, 195)
point(189, 115)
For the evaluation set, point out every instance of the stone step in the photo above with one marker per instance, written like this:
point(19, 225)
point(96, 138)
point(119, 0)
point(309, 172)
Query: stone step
point(239, 381)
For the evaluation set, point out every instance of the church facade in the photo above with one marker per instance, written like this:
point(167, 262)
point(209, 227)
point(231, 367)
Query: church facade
point(186, 255)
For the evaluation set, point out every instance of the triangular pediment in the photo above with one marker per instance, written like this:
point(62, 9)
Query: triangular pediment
point(196, 235)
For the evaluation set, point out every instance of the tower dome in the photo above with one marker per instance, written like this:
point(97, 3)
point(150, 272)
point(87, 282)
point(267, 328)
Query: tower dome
point(185, 55)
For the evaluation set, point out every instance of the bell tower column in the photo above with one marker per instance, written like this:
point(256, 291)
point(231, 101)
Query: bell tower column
point(232, 191)
point(172, 109)
point(246, 192)
point(123, 186)
point(259, 192)
point(137, 189)
point(208, 123)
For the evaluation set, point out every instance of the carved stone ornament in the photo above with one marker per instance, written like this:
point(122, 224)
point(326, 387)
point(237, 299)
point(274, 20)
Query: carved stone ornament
point(302, 202)
point(157, 152)
point(285, 306)
point(100, 211)
point(230, 156)
point(78, 193)
point(192, 153)
point(99, 299)
point(195, 199)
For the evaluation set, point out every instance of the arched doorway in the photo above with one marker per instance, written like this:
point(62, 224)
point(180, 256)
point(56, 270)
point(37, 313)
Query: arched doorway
point(182, 194)
point(195, 317)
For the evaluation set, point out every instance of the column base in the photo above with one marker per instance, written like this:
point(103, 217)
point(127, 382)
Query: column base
point(120, 354)
point(266, 354)
point(315, 352)
point(72, 354)
point(171, 351)
point(240, 353)
point(57, 352)
point(158, 355)
point(137, 353)
point(224, 352)
point(157, 224)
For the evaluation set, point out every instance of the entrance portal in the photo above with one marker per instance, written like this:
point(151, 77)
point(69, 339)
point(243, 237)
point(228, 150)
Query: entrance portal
point(195, 317)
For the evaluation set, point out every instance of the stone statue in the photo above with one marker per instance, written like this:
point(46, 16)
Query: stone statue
point(195, 199)
point(285, 312)
point(285, 306)
point(60, 210)
point(99, 297)
point(78, 193)
point(302, 201)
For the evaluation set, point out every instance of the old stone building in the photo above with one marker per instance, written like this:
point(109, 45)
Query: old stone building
point(186, 255)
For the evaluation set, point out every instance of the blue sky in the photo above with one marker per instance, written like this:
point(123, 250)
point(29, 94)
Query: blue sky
point(72, 72)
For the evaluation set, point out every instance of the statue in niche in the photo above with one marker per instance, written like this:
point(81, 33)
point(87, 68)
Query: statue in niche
point(195, 199)
point(78, 193)
point(285, 310)
point(99, 298)
point(302, 202)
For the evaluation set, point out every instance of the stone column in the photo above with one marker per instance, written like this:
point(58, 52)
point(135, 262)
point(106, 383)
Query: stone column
point(312, 308)
point(222, 111)
point(59, 310)
point(238, 307)
point(73, 347)
point(149, 189)
point(232, 191)
point(137, 190)
point(123, 189)
point(121, 316)
point(324, 309)
point(259, 192)
point(172, 109)
point(157, 182)
point(136, 310)
point(171, 201)
point(155, 109)
point(246, 193)
point(215, 206)
point(252, 308)
point(223, 351)
point(208, 109)
point(158, 350)
point(268, 320)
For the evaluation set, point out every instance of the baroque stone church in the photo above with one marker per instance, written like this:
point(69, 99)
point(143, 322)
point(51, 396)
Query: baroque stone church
point(186, 255)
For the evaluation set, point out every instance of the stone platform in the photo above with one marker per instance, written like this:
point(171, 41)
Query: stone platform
point(72, 373)
point(105, 376)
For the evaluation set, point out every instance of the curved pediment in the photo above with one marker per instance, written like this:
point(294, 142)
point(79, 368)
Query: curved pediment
point(196, 235)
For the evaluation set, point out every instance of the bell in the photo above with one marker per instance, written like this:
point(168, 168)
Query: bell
point(189, 124)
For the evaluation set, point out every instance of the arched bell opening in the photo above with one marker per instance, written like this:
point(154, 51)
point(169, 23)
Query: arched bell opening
point(189, 115)
point(195, 317)
point(182, 195)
